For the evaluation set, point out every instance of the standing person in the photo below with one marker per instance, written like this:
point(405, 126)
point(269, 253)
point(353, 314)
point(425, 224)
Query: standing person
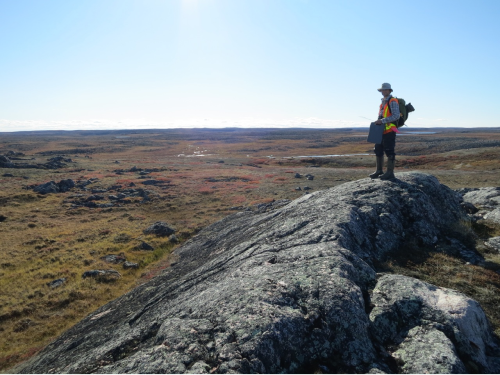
point(388, 116)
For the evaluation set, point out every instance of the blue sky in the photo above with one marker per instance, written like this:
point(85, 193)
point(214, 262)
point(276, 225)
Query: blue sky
point(168, 63)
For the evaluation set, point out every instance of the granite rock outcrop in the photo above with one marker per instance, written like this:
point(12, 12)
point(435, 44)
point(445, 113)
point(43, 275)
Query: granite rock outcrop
point(295, 289)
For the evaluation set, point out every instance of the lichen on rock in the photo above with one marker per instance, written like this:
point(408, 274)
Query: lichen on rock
point(294, 289)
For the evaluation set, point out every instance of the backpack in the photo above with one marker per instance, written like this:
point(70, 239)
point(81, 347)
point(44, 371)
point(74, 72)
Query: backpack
point(404, 110)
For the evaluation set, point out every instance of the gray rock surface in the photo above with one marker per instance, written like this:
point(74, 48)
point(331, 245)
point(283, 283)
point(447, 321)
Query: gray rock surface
point(54, 163)
point(402, 303)
point(484, 197)
point(101, 274)
point(493, 216)
point(127, 265)
point(54, 187)
point(5, 162)
point(428, 351)
point(4, 159)
point(56, 283)
point(493, 243)
point(47, 188)
point(289, 290)
point(112, 258)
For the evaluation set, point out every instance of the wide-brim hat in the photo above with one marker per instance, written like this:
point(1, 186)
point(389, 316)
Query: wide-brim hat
point(385, 86)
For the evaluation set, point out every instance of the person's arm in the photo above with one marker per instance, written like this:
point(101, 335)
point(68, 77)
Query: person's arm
point(394, 113)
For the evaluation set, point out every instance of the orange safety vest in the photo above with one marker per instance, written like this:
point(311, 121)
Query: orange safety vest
point(389, 127)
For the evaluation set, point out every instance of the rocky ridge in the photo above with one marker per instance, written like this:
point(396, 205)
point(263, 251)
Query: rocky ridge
point(6, 161)
point(295, 289)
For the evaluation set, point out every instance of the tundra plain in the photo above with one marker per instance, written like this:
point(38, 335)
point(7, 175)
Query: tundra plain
point(129, 179)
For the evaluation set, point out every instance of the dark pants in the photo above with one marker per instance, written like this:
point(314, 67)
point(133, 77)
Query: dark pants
point(388, 144)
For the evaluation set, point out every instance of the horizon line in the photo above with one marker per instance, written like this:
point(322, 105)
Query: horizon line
point(240, 128)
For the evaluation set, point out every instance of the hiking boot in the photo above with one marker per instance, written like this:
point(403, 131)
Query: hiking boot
point(380, 166)
point(389, 174)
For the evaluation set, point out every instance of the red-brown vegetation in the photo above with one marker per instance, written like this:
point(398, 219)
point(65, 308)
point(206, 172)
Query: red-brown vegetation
point(65, 241)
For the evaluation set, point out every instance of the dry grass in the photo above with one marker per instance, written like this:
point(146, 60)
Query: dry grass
point(481, 283)
point(44, 238)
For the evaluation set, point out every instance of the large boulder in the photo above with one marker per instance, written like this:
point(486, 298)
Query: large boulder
point(483, 197)
point(4, 159)
point(101, 274)
point(47, 188)
point(57, 162)
point(54, 187)
point(427, 350)
point(435, 329)
point(160, 229)
point(65, 185)
point(294, 289)
point(5, 162)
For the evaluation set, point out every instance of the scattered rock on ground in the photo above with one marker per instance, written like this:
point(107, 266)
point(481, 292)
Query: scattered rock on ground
point(56, 283)
point(3, 218)
point(111, 258)
point(122, 238)
point(104, 274)
point(52, 187)
point(65, 185)
point(47, 188)
point(95, 197)
point(297, 175)
point(155, 182)
point(173, 238)
point(160, 228)
point(5, 162)
point(57, 162)
point(145, 246)
point(128, 265)
point(14, 153)
point(7, 175)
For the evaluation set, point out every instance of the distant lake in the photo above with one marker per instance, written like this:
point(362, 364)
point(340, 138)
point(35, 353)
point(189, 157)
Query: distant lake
point(410, 133)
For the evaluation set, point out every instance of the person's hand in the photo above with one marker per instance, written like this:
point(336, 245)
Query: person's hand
point(378, 122)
